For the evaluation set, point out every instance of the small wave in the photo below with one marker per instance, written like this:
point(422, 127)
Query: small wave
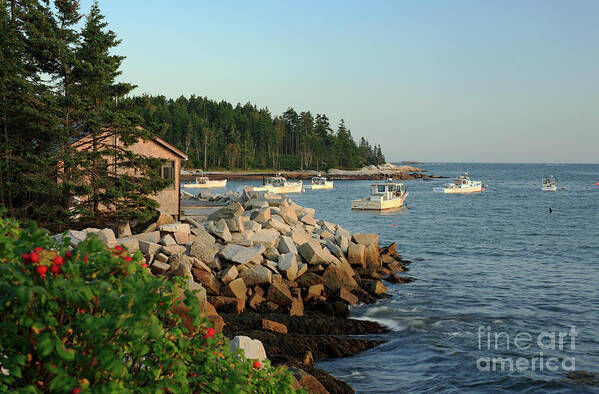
point(389, 323)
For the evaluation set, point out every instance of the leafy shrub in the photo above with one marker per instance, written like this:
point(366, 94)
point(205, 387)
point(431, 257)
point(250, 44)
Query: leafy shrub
point(94, 319)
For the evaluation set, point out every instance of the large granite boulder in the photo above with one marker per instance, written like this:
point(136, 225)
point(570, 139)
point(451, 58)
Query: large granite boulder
point(252, 348)
point(288, 265)
point(232, 210)
point(312, 253)
point(241, 254)
point(256, 275)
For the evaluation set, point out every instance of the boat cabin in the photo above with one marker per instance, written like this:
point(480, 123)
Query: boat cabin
point(386, 191)
point(275, 181)
point(319, 180)
point(202, 180)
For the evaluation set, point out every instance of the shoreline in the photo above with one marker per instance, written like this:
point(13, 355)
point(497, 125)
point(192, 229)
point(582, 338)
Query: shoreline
point(266, 268)
point(307, 175)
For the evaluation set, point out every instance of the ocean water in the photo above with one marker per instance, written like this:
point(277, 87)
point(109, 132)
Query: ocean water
point(495, 265)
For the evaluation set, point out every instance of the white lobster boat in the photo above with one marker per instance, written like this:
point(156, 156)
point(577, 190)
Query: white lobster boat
point(383, 196)
point(463, 184)
point(549, 184)
point(202, 182)
point(320, 182)
point(277, 184)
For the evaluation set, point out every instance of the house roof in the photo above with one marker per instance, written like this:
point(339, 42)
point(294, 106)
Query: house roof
point(170, 147)
point(158, 140)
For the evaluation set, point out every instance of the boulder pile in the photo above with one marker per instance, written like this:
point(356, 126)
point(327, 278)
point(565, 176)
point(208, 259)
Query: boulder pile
point(262, 252)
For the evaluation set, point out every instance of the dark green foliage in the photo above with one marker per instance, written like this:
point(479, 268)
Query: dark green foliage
point(58, 86)
point(96, 320)
point(219, 135)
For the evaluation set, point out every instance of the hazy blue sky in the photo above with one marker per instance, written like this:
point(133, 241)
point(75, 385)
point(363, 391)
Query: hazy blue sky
point(498, 81)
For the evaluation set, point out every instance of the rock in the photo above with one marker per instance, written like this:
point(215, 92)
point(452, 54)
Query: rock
point(149, 248)
point(231, 211)
point(297, 307)
point(153, 237)
point(278, 224)
point(394, 278)
point(173, 249)
point(257, 298)
point(308, 279)
point(257, 204)
point(301, 269)
point(131, 244)
point(159, 268)
point(261, 216)
point(267, 237)
point(308, 219)
point(346, 295)
point(365, 239)
point(107, 236)
point(220, 230)
point(288, 265)
point(374, 287)
point(300, 236)
point(229, 274)
point(272, 254)
point(235, 224)
point(151, 228)
point(312, 385)
point(356, 254)
point(236, 288)
point(192, 222)
point(243, 239)
point(161, 257)
point(207, 280)
point(182, 237)
point(202, 246)
point(335, 277)
point(241, 254)
point(252, 226)
point(343, 242)
point(335, 250)
point(312, 253)
point(286, 245)
point(396, 266)
point(174, 227)
point(256, 275)
point(180, 265)
point(279, 294)
point(167, 240)
point(164, 219)
point(288, 211)
point(273, 326)
point(227, 304)
point(316, 292)
point(199, 292)
point(76, 237)
point(217, 322)
point(371, 255)
point(124, 230)
point(252, 348)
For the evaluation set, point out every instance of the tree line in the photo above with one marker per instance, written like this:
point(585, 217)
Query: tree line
point(219, 135)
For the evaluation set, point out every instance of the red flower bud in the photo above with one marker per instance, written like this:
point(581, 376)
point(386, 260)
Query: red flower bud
point(68, 254)
point(25, 256)
point(86, 259)
point(118, 248)
point(38, 249)
point(257, 364)
point(58, 260)
point(76, 390)
point(127, 258)
point(145, 265)
point(55, 269)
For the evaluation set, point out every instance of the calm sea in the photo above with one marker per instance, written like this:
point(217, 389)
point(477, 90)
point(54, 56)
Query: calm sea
point(507, 296)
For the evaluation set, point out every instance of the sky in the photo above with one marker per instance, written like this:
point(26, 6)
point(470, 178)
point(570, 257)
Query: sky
point(445, 80)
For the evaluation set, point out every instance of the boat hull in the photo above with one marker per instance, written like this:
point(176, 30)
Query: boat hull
point(367, 204)
point(463, 190)
point(327, 185)
point(549, 188)
point(207, 185)
point(288, 188)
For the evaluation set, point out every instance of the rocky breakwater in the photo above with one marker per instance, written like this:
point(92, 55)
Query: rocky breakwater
point(266, 268)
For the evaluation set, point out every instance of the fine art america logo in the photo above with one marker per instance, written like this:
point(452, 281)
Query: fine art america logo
point(543, 346)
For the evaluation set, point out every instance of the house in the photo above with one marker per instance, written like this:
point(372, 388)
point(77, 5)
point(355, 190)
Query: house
point(169, 199)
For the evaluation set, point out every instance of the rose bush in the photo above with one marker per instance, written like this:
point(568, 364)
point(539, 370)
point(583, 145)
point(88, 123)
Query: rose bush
point(94, 319)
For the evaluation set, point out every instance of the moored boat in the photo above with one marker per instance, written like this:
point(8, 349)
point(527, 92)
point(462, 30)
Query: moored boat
point(202, 182)
point(463, 184)
point(277, 184)
point(320, 182)
point(549, 184)
point(383, 196)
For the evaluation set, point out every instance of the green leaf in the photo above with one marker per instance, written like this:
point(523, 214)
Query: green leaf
point(64, 353)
